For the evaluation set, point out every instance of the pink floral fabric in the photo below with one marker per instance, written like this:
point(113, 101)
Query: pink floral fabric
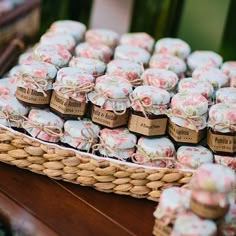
point(229, 69)
point(228, 226)
point(226, 95)
point(226, 160)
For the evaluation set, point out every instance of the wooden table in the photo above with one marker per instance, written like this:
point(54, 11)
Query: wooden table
point(39, 206)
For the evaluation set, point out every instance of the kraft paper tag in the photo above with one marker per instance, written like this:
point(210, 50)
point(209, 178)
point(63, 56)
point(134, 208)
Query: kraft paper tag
point(108, 118)
point(146, 126)
point(221, 142)
point(185, 135)
point(67, 106)
point(33, 97)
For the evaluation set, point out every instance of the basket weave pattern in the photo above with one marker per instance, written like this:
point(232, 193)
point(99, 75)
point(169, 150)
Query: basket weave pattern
point(103, 174)
point(160, 229)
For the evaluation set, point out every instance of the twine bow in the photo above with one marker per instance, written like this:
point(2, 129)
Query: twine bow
point(39, 84)
point(150, 157)
point(70, 90)
point(224, 125)
point(17, 119)
point(194, 121)
point(89, 136)
point(51, 130)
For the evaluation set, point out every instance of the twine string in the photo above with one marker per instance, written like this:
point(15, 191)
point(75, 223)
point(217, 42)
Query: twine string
point(224, 125)
point(17, 119)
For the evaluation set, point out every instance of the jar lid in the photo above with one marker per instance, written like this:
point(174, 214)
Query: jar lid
point(190, 85)
point(88, 65)
point(25, 57)
point(127, 69)
point(93, 50)
point(102, 36)
point(229, 68)
point(54, 54)
point(222, 117)
point(111, 93)
point(194, 156)
point(174, 46)
point(211, 74)
point(139, 39)
point(160, 78)
point(172, 201)
point(214, 178)
point(150, 99)
point(54, 38)
point(74, 28)
point(189, 224)
point(132, 53)
point(204, 58)
point(226, 95)
point(168, 62)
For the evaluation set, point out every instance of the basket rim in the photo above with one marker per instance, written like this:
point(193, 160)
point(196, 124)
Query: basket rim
point(95, 156)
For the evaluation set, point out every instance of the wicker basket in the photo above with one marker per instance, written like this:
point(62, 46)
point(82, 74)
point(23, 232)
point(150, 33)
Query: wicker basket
point(161, 229)
point(103, 174)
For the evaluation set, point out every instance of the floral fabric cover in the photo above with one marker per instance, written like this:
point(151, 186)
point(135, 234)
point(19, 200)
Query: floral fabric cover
point(158, 152)
point(65, 40)
point(189, 110)
point(173, 46)
point(213, 178)
point(53, 54)
point(204, 58)
point(228, 226)
point(139, 39)
point(128, 69)
point(69, 80)
point(160, 78)
point(226, 95)
point(38, 116)
point(190, 85)
point(172, 201)
point(88, 65)
point(102, 36)
point(226, 160)
point(229, 69)
point(81, 134)
point(193, 156)
point(188, 224)
point(93, 50)
point(26, 57)
point(211, 74)
point(111, 93)
point(119, 143)
point(150, 99)
point(132, 53)
point(8, 86)
point(168, 62)
point(74, 28)
point(222, 117)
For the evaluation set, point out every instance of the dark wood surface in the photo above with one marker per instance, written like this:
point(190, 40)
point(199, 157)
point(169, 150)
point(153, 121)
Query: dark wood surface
point(43, 206)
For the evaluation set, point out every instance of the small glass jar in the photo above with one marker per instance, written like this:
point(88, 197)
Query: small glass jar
point(110, 101)
point(221, 136)
point(34, 83)
point(139, 39)
point(44, 125)
point(127, 69)
point(116, 143)
point(229, 69)
point(149, 105)
point(69, 97)
point(158, 152)
point(80, 134)
point(173, 46)
point(168, 62)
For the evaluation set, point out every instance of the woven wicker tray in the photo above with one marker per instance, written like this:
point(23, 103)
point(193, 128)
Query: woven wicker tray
point(103, 174)
point(160, 229)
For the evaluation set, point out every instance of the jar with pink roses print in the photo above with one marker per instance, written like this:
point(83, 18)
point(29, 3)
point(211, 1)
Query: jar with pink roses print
point(226, 95)
point(149, 105)
point(44, 125)
point(187, 118)
point(229, 69)
point(110, 101)
point(221, 135)
point(213, 187)
point(34, 83)
point(157, 152)
point(115, 143)
point(226, 160)
point(69, 97)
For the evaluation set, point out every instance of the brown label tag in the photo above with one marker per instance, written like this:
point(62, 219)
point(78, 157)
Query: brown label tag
point(185, 135)
point(221, 142)
point(33, 97)
point(67, 106)
point(108, 118)
point(146, 126)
